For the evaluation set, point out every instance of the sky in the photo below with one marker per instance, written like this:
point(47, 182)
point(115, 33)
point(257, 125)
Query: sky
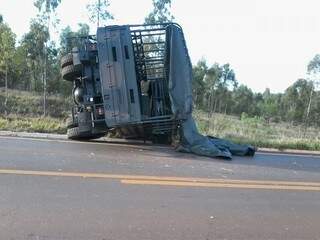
point(267, 42)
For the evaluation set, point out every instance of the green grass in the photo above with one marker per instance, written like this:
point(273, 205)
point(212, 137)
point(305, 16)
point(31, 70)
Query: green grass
point(29, 104)
point(25, 110)
point(256, 131)
point(40, 125)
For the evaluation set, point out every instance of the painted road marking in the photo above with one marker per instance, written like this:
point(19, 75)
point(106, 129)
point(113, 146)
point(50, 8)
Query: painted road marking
point(221, 185)
point(175, 181)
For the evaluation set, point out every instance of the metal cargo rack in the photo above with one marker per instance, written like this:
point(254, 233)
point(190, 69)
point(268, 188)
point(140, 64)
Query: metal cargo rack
point(149, 45)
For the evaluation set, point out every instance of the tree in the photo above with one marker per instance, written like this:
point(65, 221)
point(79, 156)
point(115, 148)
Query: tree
point(314, 76)
point(314, 64)
point(269, 107)
point(98, 10)
point(46, 9)
point(7, 49)
point(34, 42)
point(68, 38)
point(160, 13)
point(198, 84)
point(21, 71)
point(243, 99)
point(219, 81)
point(211, 80)
point(296, 99)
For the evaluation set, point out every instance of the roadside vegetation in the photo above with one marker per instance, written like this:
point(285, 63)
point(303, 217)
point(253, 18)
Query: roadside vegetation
point(259, 132)
point(24, 112)
point(28, 124)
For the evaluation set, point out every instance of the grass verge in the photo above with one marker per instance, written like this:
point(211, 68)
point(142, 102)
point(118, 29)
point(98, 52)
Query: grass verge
point(256, 131)
point(40, 125)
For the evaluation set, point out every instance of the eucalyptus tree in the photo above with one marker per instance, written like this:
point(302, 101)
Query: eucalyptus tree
point(198, 84)
point(33, 42)
point(7, 50)
point(46, 15)
point(98, 11)
point(161, 12)
point(313, 72)
point(68, 37)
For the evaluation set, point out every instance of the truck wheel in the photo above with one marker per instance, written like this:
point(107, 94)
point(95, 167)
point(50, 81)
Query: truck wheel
point(70, 72)
point(75, 134)
point(66, 60)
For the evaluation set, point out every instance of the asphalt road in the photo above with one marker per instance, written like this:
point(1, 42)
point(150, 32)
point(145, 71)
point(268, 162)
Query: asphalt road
point(61, 190)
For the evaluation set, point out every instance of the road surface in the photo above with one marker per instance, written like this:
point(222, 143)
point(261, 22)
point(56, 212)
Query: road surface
point(63, 190)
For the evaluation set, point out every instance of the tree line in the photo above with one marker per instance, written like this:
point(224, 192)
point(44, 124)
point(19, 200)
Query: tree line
point(33, 64)
point(216, 90)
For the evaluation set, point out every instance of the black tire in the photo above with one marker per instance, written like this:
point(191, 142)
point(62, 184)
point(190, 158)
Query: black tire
point(70, 72)
point(75, 134)
point(66, 60)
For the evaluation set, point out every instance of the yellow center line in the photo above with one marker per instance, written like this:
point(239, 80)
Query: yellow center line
point(221, 185)
point(175, 181)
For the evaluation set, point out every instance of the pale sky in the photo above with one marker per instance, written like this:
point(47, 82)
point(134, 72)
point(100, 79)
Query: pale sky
point(268, 42)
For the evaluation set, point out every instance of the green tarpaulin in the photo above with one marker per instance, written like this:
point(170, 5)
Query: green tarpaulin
point(180, 90)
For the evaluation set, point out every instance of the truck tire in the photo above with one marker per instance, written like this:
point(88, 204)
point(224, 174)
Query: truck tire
point(75, 134)
point(66, 60)
point(70, 72)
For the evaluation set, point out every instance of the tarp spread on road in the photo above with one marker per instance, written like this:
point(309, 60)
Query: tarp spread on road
point(180, 90)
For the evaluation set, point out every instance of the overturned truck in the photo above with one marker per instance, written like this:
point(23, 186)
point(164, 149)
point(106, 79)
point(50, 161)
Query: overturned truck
point(137, 80)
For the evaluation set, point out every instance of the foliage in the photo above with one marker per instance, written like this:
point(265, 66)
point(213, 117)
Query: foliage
point(46, 5)
point(314, 64)
point(212, 86)
point(69, 38)
point(98, 11)
point(216, 90)
point(47, 11)
point(160, 13)
point(7, 47)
